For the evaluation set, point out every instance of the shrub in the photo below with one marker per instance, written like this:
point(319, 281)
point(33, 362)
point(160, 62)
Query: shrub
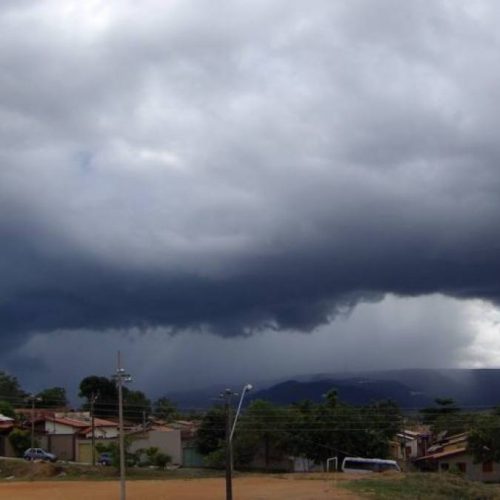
point(20, 441)
point(162, 459)
point(216, 459)
point(153, 456)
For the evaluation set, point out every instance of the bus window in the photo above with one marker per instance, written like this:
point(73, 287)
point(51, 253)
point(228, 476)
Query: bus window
point(366, 465)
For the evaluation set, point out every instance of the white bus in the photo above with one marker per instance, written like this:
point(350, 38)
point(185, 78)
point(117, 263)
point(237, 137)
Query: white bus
point(366, 465)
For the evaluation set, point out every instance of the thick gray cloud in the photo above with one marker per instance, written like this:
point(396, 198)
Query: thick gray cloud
point(396, 333)
point(238, 166)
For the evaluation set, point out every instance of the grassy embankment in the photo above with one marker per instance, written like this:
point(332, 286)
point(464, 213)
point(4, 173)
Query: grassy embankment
point(20, 470)
point(424, 486)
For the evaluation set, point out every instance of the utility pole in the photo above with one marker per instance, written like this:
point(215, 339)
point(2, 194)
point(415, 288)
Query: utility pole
point(120, 378)
point(33, 399)
point(93, 398)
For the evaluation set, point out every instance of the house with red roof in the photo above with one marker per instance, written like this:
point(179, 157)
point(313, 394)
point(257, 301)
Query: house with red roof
point(60, 432)
point(79, 425)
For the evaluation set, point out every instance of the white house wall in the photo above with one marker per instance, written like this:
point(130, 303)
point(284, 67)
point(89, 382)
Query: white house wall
point(474, 472)
point(167, 442)
point(57, 428)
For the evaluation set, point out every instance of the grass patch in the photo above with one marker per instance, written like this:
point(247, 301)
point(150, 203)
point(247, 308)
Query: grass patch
point(21, 470)
point(426, 486)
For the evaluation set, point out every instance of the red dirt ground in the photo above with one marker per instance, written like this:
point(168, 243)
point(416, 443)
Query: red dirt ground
point(253, 487)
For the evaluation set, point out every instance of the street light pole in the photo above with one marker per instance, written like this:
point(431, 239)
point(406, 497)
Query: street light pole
point(246, 388)
point(229, 452)
point(120, 378)
point(230, 428)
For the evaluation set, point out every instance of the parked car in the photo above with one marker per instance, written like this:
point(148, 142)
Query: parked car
point(39, 454)
point(105, 459)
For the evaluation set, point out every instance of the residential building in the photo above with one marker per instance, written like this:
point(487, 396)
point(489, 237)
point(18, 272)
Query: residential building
point(6, 426)
point(59, 432)
point(451, 454)
point(409, 445)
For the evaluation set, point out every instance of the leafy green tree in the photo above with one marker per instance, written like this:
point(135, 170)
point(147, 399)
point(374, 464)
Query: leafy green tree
point(54, 397)
point(443, 407)
point(260, 429)
point(384, 417)
point(320, 431)
point(211, 433)
point(151, 453)
point(20, 440)
point(445, 415)
point(484, 438)
point(216, 459)
point(328, 430)
point(95, 384)
point(165, 409)
point(153, 456)
point(106, 404)
point(381, 421)
point(7, 409)
point(314, 431)
point(113, 448)
point(136, 405)
point(161, 460)
point(333, 428)
point(10, 390)
point(255, 430)
point(298, 426)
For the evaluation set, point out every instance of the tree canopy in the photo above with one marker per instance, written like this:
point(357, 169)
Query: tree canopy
point(136, 406)
point(135, 403)
point(7, 409)
point(165, 409)
point(211, 433)
point(11, 391)
point(305, 429)
point(484, 437)
point(53, 397)
point(445, 415)
point(105, 392)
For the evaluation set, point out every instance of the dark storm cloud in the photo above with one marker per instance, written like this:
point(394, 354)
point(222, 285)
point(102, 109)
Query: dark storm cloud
point(240, 166)
point(438, 331)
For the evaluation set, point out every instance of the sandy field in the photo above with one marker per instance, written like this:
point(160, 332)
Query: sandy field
point(244, 488)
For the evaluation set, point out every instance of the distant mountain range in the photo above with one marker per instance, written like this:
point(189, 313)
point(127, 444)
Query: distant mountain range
point(354, 390)
point(410, 389)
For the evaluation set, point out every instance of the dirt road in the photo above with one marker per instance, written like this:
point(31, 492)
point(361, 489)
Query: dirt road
point(245, 488)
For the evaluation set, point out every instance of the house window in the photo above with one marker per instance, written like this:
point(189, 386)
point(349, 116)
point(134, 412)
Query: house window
point(445, 466)
point(462, 467)
point(488, 466)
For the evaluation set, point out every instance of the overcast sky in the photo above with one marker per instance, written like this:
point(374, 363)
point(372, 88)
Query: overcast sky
point(233, 189)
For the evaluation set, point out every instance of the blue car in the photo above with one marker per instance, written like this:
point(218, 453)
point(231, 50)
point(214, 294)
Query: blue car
point(105, 459)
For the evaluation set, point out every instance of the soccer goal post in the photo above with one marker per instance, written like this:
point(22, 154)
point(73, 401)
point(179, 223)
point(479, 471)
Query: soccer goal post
point(329, 461)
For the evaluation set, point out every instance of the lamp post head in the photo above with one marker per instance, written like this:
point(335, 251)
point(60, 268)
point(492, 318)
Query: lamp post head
point(248, 387)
